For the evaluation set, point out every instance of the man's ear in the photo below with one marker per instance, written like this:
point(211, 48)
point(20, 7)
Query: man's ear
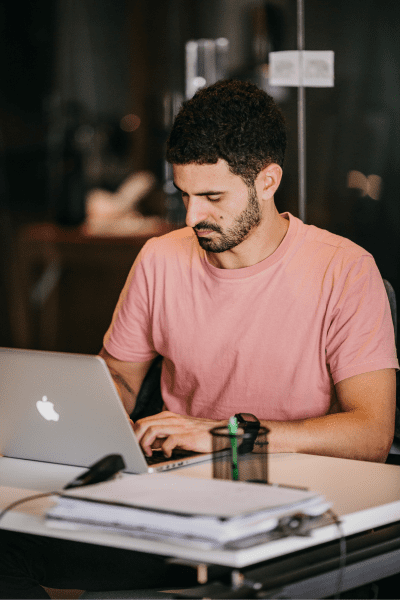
point(268, 181)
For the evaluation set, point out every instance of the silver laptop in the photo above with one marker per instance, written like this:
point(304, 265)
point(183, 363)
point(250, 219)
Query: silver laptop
point(64, 408)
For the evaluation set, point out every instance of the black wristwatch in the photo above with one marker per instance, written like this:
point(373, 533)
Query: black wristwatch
point(251, 425)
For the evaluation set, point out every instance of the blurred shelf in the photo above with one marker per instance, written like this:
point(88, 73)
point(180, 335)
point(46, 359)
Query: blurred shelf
point(47, 257)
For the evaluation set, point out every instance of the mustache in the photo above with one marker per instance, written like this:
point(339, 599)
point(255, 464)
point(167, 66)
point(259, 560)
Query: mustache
point(203, 225)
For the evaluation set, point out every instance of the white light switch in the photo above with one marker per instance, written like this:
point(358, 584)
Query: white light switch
point(302, 67)
point(284, 68)
point(318, 68)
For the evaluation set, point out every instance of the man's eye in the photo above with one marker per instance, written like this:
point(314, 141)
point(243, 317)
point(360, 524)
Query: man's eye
point(213, 198)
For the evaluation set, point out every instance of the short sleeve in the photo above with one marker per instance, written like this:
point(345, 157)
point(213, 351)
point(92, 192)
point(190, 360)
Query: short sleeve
point(129, 335)
point(360, 337)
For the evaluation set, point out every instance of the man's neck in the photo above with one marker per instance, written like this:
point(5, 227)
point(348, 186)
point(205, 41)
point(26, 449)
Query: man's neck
point(261, 243)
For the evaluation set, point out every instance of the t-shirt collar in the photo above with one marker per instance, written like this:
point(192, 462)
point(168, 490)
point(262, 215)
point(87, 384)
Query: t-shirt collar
point(262, 265)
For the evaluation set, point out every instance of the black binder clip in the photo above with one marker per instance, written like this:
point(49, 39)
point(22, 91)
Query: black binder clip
point(102, 470)
point(298, 524)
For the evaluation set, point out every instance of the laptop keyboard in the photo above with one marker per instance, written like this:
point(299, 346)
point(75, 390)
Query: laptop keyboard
point(177, 454)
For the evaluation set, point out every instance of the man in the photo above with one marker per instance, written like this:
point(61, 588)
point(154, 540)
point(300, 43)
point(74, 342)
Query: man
point(253, 311)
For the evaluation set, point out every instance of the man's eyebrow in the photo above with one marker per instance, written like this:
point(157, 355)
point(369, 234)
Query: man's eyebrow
point(209, 193)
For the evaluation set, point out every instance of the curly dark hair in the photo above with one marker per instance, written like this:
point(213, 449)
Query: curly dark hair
point(233, 120)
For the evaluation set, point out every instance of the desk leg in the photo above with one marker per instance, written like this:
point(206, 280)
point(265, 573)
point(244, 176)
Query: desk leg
point(35, 300)
point(45, 297)
point(57, 594)
point(21, 330)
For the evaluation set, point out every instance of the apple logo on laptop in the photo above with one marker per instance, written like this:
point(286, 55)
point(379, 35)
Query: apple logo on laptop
point(46, 409)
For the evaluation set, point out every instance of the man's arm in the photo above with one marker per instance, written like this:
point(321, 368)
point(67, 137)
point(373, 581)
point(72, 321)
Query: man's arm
point(363, 429)
point(128, 377)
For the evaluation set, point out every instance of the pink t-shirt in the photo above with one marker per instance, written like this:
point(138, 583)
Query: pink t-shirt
point(270, 339)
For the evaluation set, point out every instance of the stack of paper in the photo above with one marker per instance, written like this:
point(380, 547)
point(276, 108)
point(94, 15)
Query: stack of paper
point(161, 506)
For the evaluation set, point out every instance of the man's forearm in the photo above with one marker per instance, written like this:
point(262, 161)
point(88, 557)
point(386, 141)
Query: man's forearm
point(128, 377)
point(125, 392)
point(344, 435)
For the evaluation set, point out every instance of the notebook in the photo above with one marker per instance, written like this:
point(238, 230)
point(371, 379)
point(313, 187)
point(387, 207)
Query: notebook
point(184, 508)
point(64, 408)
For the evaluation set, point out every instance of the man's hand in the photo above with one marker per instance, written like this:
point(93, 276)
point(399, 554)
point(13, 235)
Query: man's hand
point(168, 430)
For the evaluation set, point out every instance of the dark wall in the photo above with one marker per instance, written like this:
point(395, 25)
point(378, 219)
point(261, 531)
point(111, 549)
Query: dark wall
point(134, 52)
point(26, 67)
point(356, 126)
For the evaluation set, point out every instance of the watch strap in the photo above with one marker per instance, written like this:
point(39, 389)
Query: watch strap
point(250, 427)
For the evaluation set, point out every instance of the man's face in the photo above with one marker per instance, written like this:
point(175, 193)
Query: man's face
point(220, 207)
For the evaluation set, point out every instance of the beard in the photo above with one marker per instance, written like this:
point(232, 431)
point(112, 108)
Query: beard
point(248, 219)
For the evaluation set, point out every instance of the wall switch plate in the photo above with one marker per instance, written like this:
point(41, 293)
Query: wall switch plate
point(308, 68)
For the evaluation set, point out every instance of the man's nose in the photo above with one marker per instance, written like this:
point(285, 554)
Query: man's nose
point(196, 211)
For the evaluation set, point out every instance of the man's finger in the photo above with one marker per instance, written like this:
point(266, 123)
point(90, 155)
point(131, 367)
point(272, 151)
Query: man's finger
point(153, 433)
point(173, 441)
point(142, 425)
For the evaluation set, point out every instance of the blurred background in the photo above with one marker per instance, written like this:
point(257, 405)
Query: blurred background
point(88, 92)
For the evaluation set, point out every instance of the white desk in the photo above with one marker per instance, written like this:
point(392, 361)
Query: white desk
point(365, 496)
